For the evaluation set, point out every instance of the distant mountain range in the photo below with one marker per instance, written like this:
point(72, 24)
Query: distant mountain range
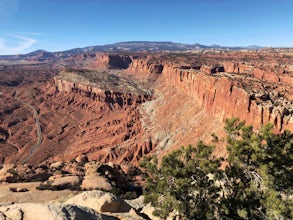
point(129, 46)
point(136, 46)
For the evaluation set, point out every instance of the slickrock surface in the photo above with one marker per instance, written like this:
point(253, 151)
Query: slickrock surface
point(100, 202)
point(95, 205)
point(35, 211)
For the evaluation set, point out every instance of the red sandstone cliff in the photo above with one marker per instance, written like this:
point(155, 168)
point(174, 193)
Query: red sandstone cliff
point(223, 89)
point(107, 106)
point(231, 90)
point(103, 108)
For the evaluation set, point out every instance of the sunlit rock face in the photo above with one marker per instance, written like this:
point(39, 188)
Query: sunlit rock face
point(118, 107)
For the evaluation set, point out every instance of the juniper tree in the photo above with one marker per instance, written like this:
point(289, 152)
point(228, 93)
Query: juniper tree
point(256, 184)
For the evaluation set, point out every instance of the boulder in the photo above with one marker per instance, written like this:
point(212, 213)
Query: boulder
point(100, 201)
point(36, 211)
point(148, 210)
point(95, 181)
point(57, 165)
point(66, 181)
point(91, 167)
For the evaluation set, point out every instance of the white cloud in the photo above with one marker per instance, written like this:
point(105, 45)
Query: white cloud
point(18, 46)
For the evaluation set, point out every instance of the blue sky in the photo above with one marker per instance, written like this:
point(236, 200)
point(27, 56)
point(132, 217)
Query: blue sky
point(56, 25)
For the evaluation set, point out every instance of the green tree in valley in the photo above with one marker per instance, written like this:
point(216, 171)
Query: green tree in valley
point(256, 184)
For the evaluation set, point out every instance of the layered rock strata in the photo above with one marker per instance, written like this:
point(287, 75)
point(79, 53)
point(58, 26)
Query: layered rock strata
point(116, 100)
point(231, 89)
point(104, 112)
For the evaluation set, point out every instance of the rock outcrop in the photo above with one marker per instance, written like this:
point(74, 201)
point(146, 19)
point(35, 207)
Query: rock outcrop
point(100, 202)
point(94, 179)
point(35, 211)
point(63, 182)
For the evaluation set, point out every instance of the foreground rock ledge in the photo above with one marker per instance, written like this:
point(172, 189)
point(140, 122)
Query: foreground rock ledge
point(37, 211)
point(100, 201)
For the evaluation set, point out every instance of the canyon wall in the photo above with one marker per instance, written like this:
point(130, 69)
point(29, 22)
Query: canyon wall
point(221, 97)
point(107, 115)
point(111, 61)
point(221, 89)
point(225, 95)
point(102, 108)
